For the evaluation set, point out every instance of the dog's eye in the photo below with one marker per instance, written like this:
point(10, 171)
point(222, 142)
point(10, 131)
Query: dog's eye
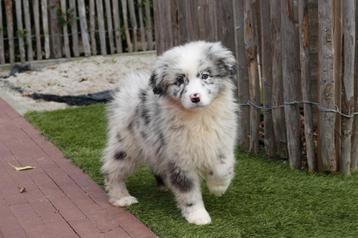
point(204, 75)
point(179, 80)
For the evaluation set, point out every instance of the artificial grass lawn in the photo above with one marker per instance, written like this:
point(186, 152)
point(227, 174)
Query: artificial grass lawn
point(266, 199)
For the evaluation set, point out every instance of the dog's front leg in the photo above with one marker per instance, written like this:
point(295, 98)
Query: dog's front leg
point(186, 188)
point(221, 174)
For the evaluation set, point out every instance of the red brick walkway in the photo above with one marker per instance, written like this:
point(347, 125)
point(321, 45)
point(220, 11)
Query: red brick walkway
point(60, 200)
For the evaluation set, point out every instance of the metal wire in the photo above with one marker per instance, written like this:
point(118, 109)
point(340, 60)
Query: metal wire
point(335, 109)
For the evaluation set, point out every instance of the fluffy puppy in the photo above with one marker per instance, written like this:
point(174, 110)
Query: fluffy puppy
point(180, 121)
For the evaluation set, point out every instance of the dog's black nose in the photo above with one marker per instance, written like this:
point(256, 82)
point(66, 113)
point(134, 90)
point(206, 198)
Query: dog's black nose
point(195, 98)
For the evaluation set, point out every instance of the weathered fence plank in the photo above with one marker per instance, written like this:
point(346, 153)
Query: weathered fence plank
point(291, 82)
point(266, 54)
point(176, 38)
point(141, 25)
point(55, 29)
point(84, 29)
point(162, 18)
point(354, 162)
point(225, 19)
point(337, 72)
point(2, 49)
point(64, 23)
point(191, 23)
point(183, 16)
point(101, 30)
point(117, 26)
point(208, 18)
point(109, 26)
point(28, 32)
point(92, 15)
point(251, 45)
point(36, 15)
point(126, 27)
point(134, 24)
point(148, 23)
point(20, 30)
point(278, 113)
point(327, 86)
point(306, 82)
point(348, 83)
point(243, 78)
point(74, 28)
point(45, 26)
point(10, 29)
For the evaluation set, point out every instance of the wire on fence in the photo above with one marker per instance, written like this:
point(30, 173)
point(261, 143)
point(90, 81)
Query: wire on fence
point(318, 105)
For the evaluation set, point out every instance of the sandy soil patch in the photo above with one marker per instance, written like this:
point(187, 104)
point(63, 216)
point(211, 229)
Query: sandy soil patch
point(87, 75)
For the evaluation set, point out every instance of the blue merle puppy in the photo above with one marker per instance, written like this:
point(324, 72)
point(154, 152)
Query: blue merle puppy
point(181, 121)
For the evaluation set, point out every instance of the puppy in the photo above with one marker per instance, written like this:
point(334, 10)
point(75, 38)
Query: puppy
point(181, 121)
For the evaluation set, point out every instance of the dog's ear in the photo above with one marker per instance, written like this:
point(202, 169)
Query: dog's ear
point(223, 58)
point(157, 89)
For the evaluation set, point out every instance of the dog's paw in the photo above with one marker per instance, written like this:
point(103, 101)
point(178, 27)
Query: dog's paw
point(198, 217)
point(124, 201)
point(218, 190)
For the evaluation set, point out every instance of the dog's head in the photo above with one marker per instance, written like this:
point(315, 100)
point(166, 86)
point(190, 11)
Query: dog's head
point(194, 74)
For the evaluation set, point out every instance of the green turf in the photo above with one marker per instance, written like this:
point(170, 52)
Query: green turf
point(266, 199)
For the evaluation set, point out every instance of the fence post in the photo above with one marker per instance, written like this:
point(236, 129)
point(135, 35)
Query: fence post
point(162, 18)
point(10, 29)
point(125, 22)
point(109, 25)
point(251, 45)
point(92, 15)
point(327, 86)
point(117, 26)
point(348, 83)
point(243, 77)
point(225, 21)
point(45, 19)
point(74, 28)
point(101, 29)
point(266, 54)
point(20, 30)
point(174, 13)
point(28, 32)
point(66, 41)
point(278, 113)
point(133, 24)
point(84, 28)
point(306, 82)
point(55, 29)
point(2, 55)
point(338, 72)
point(149, 27)
point(290, 74)
point(141, 25)
point(208, 20)
point(36, 11)
point(354, 163)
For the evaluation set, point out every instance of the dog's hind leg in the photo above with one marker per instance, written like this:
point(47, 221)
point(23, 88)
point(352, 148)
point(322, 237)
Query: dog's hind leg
point(117, 166)
point(186, 188)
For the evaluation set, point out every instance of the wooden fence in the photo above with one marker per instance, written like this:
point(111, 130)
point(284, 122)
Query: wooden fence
point(297, 74)
point(42, 29)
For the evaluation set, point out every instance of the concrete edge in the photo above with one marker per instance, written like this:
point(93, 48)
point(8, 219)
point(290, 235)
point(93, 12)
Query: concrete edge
point(12, 102)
